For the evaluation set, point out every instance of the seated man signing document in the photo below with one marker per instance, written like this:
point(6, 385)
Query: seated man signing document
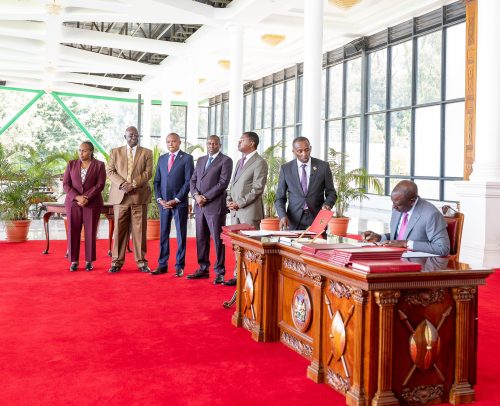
point(416, 224)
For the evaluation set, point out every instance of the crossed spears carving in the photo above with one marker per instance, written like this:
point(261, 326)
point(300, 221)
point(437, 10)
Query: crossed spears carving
point(248, 290)
point(334, 338)
point(428, 335)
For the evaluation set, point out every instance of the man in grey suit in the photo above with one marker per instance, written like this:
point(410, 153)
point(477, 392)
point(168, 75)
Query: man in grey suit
point(416, 224)
point(307, 185)
point(208, 186)
point(247, 186)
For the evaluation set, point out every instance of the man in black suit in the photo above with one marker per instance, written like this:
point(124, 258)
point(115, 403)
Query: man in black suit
point(209, 182)
point(171, 190)
point(307, 185)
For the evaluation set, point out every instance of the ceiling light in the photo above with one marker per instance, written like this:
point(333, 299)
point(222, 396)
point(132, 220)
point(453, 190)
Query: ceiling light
point(224, 63)
point(53, 8)
point(201, 80)
point(177, 92)
point(272, 39)
point(344, 3)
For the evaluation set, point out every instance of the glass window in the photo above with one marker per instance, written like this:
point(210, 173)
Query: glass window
point(335, 91)
point(352, 143)
point(248, 112)
point(287, 147)
point(258, 110)
point(299, 100)
point(429, 68)
point(335, 135)
point(450, 191)
point(401, 62)
point(265, 139)
point(454, 140)
point(218, 122)
point(377, 79)
point(353, 94)
point(376, 144)
point(278, 105)
point(212, 120)
point(428, 189)
point(323, 92)
point(202, 122)
point(290, 103)
point(268, 106)
point(455, 61)
point(400, 143)
point(427, 141)
point(178, 121)
point(225, 118)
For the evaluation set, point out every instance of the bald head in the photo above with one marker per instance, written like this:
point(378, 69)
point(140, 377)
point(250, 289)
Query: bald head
point(404, 195)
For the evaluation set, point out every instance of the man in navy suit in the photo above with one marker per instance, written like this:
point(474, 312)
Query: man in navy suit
point(171, 190)
point(307, 184)
point(208, 187)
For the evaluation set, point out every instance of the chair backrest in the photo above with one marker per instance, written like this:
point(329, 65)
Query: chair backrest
point(455, 223)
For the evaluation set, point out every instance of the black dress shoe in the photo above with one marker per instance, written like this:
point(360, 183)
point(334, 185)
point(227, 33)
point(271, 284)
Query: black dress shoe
point(73, 267)
point(219, 280)
point(230, 282)
point(114, 269)
point(198, 274)
point(159, 271)
point(89, 266)
point(179, 273)
point(144, 269)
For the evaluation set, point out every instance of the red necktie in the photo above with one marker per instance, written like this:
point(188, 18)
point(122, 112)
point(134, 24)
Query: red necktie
point(402, 227)
point(171, 161)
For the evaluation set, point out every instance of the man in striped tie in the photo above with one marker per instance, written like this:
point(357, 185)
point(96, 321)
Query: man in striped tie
point(416, 224)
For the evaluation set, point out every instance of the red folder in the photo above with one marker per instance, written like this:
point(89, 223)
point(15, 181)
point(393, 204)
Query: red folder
point(237, 227)
point(383, 266)
point(321, 221)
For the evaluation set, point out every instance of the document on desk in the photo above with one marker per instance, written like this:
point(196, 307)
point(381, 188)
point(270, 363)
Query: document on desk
point(418, 254)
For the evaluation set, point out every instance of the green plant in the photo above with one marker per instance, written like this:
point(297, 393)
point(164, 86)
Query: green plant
point(153, 209)
point(350, 185)
point(24, 181)
point(274, 163)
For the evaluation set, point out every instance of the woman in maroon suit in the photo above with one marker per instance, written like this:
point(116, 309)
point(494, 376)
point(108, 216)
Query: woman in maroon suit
point(83, 183)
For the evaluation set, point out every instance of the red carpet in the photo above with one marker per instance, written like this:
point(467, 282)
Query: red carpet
point(93, 338)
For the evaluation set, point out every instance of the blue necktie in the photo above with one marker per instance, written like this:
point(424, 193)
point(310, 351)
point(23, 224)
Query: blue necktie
point(209, 162)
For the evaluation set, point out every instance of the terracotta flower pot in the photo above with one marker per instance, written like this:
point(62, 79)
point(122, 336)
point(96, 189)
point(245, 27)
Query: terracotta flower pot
point(270, 223)
point(338, 225)
point(153, 231)
point(17, 230)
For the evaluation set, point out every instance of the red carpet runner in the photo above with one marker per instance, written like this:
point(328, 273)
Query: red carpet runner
point(93, 338)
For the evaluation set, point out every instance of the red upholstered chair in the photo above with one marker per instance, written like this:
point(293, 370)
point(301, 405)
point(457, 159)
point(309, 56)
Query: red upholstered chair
point(455, 223)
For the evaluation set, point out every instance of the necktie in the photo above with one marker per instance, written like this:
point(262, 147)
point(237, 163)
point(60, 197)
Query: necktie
point(240, 166)
point(303, 183)
point(171, 161)
point(402, 227)
point(130, 164)
point(209, 162)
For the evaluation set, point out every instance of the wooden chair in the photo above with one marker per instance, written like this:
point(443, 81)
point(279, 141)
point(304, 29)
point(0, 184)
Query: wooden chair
point(455, 223)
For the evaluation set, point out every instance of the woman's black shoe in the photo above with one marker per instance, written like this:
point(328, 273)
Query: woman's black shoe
point(73, 267)
point(89, 266)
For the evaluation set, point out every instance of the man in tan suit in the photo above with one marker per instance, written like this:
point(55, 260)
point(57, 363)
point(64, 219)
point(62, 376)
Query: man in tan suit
point(247, 186)
point(130, 168)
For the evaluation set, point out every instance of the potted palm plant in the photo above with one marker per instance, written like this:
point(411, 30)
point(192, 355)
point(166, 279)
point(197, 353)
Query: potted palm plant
point(351, 186)
point(272, 155)
point(153, 230)
point(24, 181)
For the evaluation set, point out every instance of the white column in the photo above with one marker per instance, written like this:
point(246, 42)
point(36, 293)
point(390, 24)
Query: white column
point(192, 109)
point(480, 197)
point(235, 91)
point(146, 120)
point(166, 100)
point(313, 59)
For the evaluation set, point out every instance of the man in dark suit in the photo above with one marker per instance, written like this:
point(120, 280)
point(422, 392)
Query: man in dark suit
point(130, 168)
point(306, 184)
point(415, 223)
point(209, 182)
point(171, 190)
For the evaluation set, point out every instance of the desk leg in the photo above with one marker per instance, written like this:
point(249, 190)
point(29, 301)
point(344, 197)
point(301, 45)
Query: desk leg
point(231, 301)
point(46, 218)
point(111, 229)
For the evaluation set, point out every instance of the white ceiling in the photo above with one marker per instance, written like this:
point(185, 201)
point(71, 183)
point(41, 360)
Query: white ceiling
point(32, 54)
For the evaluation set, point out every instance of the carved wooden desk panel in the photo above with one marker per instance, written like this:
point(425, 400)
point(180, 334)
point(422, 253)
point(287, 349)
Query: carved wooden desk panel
point(377, 338)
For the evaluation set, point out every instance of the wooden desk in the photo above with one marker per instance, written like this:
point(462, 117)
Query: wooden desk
point(53, 207)
point(380, 339)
